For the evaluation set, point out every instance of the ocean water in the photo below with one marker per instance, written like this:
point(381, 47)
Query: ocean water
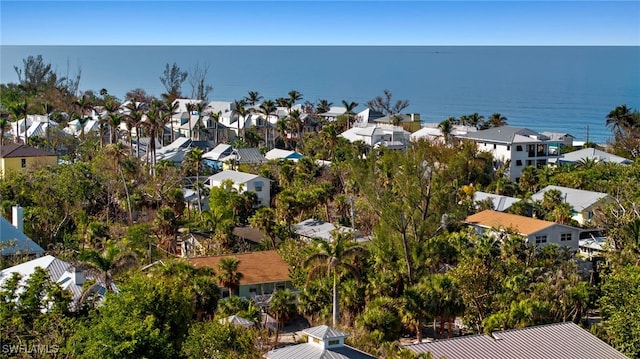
point(561, 89)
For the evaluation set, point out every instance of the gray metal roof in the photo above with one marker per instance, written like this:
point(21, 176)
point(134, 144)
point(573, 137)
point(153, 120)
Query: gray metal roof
point(595, 154)
point(561, 341)
point(234, 176)
point(324, 332)
point(311, 351)
point(506, 134)
point(500, 203)
point(577, 198)
point(314, 228)
point(13, 241)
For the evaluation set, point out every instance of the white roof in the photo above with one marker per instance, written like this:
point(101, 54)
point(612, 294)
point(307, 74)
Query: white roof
point(577, 198)
point(217, 151)
point(313, 228)
point(234, 176)
point(278, 153)
point(592, 153)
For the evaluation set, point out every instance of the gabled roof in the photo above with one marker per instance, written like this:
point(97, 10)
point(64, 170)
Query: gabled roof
point(245, 155)
point(521, 224)
point(278, 153)
point(256, 267)
point(500, 203)
point(219, 151)
point(314, 228)
point(507, 134)
point(20, 150)
point(325, 332)
point(234, 176)
point(14, 241)
point(595, 154)
point(577, 198)
point(561, 341)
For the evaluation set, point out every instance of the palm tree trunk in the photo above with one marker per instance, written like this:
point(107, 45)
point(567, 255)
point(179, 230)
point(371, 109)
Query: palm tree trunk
point(335, 300)
point(419, 331)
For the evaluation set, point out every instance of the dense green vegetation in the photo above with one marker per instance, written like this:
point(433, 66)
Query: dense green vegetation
point(107, 210)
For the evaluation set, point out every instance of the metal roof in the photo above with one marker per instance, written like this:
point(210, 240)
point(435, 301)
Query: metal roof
point(324, 332)
point(314, 228)
point(14, 241)
point(500, 203)
point(311, 351)
point(592, 153)
point(577, 198)
point(234, 176)
point(507, 134)
point(561, 341)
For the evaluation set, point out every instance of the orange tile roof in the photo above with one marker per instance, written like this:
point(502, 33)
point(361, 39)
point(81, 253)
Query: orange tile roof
point(521, 224)
point(256, 267)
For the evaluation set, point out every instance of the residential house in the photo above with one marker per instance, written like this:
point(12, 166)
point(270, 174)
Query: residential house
point(592, 154)
point(13, 241)
point(322, 342)
point(410, 121)
point(69, 277)
point(558, 341)
point(279, 154)
point(593, 247)
point(516, 148)
point(262, 272)
point(243, 182)
point(432, 133)
point(535, 231)
point(374, 135)
point(584, 203)
point(313, 228)
point(16, 157)
point(500, 203)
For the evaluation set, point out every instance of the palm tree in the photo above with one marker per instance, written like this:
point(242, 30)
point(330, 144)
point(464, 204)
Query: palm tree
point(267, 108)
point(495, 120)
point(338, 255)
point(264, 220)
point(195, 161)
point(199, 125)
point(228, 275)
point(329, 136)
point(475, 120)
point(118, 152)
point(134, 119)
point(282, 126)
point(104, 266)
point(240, 112)
point(154, 124)
point(215, 116)
point(295, 122)
point(4, 126)
point(19, 110)
point(282, 306)
point(252, 98)
point(621, 121)
point(294, 96)
point(446, 127)
point(323, 106)
point(350, 106)
point(190, 108)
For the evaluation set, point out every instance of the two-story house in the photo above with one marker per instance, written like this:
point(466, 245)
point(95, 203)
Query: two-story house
point(516, 147)
point(584, 203)
point(243, 182)
point(535, 231)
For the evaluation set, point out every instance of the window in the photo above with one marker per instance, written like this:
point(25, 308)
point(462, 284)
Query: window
point(565, 237)
point(334, 342)
point(508, 148)
point(518, 163)
point(529, 163)
point(519, 148)
point(23, 162)
point(258, 186)
point(494, 146)
point(541, 239)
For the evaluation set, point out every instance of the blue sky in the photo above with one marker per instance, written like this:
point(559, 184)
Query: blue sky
point(27, 22)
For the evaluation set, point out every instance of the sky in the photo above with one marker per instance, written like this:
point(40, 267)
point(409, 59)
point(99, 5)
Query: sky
point(425, 22)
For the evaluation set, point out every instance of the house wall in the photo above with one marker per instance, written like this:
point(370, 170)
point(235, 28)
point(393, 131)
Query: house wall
point(15, 163)
point(519, 155)
point(585, 216)
point(249, 290)
point(554, 235)
point(262, 187)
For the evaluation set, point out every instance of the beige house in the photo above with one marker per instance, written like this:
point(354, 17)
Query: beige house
point(17, 157)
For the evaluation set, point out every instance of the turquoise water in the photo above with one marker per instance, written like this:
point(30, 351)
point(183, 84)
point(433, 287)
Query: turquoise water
point(562, 89)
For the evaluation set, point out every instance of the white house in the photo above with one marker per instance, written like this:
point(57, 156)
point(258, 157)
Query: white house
point(66, 275)
point(243, 182)
point(280, 154)
point(594, 155)
point(500, 203)
point(583, 202)
point(535, 231)
point(516, 147)
point(374, 135)
point(322, 342)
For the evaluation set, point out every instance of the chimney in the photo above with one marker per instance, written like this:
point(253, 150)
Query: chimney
point(18, 217)
point(78, 276)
